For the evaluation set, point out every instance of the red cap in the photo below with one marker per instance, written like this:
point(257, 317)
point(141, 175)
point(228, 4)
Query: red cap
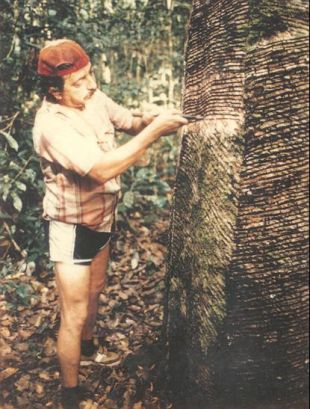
point(61, 57)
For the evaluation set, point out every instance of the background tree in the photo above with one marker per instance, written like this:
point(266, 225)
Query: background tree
point(237, 303)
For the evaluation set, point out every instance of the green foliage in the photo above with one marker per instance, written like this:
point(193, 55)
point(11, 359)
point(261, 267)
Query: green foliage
point(16, 294)
point(137, 52)
point(144, 186)
point(147, 188)
point(13, 291)
point(21, 191)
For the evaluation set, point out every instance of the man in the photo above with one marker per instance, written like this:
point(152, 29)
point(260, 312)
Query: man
point(74, 137)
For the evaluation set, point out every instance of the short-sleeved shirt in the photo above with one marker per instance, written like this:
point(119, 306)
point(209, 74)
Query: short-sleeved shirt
point(70, 142)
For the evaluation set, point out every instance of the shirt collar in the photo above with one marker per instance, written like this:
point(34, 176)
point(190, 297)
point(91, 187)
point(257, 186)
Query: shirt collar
point(55, 108)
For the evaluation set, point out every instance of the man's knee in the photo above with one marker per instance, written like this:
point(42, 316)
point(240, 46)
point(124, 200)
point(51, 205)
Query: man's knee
point(75, 316)
point(73, 284)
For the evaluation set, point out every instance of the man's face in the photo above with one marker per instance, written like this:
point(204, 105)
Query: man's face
point(78, 88)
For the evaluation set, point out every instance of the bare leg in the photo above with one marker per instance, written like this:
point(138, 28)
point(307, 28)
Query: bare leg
point(98, 270)
point(73, 285)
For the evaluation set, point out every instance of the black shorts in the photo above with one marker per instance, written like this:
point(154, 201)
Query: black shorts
point(74, 243)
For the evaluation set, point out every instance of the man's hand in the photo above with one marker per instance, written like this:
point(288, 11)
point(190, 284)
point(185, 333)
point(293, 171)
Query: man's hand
point(148, 117)
point(168, 123)
point(142, 120)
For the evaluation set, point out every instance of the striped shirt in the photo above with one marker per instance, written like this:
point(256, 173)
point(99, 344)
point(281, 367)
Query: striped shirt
point(70, 142)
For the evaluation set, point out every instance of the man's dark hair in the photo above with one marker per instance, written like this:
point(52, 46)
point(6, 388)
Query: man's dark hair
point(47, 82)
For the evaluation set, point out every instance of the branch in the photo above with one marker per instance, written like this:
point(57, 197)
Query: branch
point(16, 246)
point(22, 170)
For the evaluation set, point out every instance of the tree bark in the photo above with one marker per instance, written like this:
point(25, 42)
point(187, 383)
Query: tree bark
point(237, 302)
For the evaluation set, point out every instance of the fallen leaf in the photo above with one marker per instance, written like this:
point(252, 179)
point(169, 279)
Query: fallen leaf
point(22, 347)
point(50, 347)
point(39, 388)
point(56, 375)
point(5, 332)
point(123, 296)
point(103, 299)
point(109, 403)
point(23, 383)
point(6, 322)
point(45, 376)
point(8, 406)
point(36, 320)
point(22, 401)
point(135, 260)
point(25, 333)
point(88, 404)
point(6, 373)
point(5, 348)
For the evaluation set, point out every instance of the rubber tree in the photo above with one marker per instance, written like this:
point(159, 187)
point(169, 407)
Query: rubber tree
point(237, 299)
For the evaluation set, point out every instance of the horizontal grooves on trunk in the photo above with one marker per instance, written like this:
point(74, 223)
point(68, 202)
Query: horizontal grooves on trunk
point(215, 57)
point(242, 215)
point(206, 198)
point(268, 279)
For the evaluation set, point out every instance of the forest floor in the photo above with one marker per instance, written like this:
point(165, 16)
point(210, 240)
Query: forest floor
point(129, 323)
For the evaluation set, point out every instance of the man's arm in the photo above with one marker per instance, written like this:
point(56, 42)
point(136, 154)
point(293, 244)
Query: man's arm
point(114, 163)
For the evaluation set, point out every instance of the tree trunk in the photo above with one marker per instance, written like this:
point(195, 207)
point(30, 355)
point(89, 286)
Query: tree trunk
point(237, 302)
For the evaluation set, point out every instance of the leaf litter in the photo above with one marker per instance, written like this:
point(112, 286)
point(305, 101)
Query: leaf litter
point(129, 325)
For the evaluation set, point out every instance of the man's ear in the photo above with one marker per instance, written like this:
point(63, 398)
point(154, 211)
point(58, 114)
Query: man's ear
point(56, 93)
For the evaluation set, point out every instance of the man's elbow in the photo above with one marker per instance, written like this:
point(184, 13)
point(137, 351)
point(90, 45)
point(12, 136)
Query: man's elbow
point(100, 175)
